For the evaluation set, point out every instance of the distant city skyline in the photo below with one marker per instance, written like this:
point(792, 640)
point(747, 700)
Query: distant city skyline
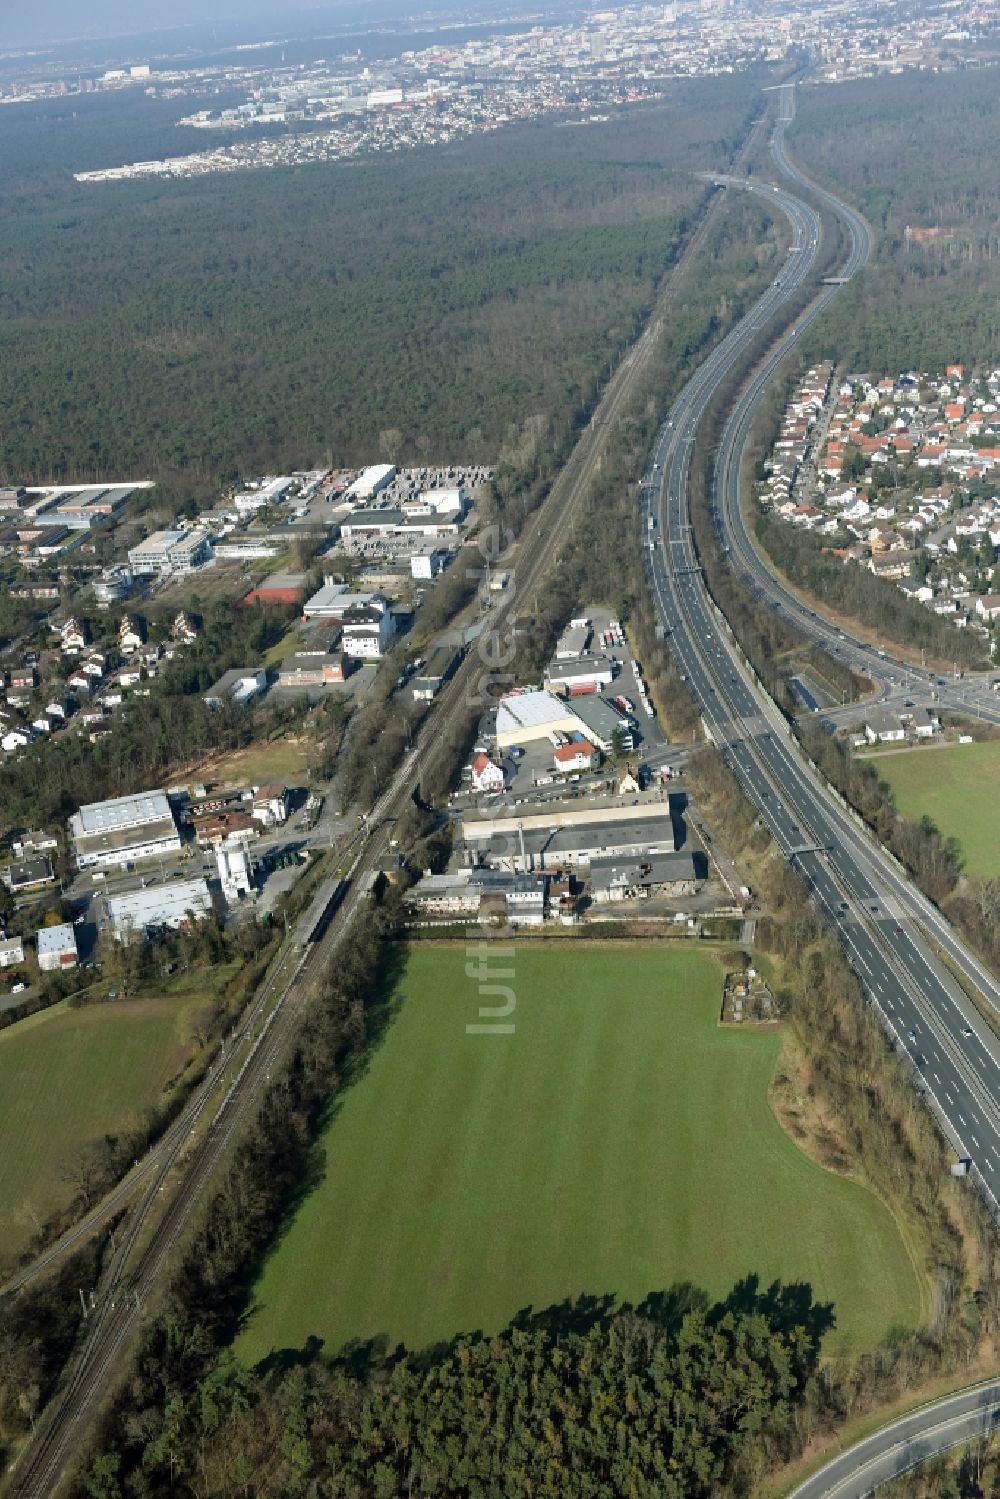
point(52, 21)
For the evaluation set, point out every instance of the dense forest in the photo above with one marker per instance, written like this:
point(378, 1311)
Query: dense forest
point(424, 306)
point(914, 153)
point(670, 1399)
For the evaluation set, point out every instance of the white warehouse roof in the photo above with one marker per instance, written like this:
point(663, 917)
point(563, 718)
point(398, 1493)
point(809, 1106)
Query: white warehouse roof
point(122, 812)
point(524, 710)
point(160, 905)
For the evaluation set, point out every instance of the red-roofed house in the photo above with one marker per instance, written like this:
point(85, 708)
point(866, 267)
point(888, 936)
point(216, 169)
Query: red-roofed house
point(486, 774)
point(576, 756)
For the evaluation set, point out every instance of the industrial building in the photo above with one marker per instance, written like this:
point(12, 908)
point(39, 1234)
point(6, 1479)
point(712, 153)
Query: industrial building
point(427, 561)
point(167, 553)
point(399, 523)
point(304, 669)
point(483, 894)
point(534, 843)
point(668, 874)
point(126, 828)
point(332, 600)
point(56, 947)
point(172, 905)
point(573, 641)
point(233, 863)
point(600, 722)
point(579, 674)
point(237, 686)
point(527, 716)
point(370, 481)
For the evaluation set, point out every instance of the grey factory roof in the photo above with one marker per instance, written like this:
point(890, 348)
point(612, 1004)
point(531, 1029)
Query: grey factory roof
point(654, 869)
point(529, 710)
point(598, 716)
point(580, 666)
point(159, 905)
point(638, 832)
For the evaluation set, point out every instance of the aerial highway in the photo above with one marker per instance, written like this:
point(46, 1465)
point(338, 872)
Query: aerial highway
point(862, 1469)
point(970, 693)
point(890, 934)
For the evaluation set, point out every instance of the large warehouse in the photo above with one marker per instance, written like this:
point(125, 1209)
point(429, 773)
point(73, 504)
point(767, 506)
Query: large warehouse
point(172, 905)
point(526, 716)
point(116, 832)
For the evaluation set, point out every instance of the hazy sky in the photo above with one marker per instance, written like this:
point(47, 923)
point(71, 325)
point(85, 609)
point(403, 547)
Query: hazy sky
point(51, 20)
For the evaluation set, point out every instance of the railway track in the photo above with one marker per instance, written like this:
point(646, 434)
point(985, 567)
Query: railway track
point(178, 1170)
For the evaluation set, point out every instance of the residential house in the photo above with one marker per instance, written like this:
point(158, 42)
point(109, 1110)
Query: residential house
point(11, 952)
point(131, 634)
point(575, 756)
point(883, 727)
point(486, 774)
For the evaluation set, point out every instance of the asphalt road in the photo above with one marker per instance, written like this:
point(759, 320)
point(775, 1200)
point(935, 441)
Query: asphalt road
point(970, 694)
point(881, 921)
point(905, 1444)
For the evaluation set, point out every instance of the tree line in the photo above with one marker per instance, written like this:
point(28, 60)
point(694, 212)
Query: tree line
point(674, 1398)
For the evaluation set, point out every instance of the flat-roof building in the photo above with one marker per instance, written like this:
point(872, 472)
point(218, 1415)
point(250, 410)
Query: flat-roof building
point(56, 947)
point(370, 481)
point(533, 846)
point(331, 601)
point(126, 828)
point(238, 685)
point(167, 553)
point(573, 674)
point(680, 873)
point(11, 952)
point(398, 523)
point(600, 720)
point(527, 716)
point(172, 905)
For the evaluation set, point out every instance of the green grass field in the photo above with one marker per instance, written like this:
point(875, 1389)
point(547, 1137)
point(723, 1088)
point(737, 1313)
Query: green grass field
point(956, 787)
point(274, 760)
point(72, 1075)
point(620, 1140)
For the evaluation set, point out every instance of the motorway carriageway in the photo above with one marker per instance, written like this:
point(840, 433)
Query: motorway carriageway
point(871, 906)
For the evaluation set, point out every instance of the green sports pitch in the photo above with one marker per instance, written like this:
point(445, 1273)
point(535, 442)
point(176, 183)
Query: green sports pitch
point(619, 1140)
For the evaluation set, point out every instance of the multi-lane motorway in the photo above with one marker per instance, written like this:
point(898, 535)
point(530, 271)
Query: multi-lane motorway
point(891, 935)
point(971, 693)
